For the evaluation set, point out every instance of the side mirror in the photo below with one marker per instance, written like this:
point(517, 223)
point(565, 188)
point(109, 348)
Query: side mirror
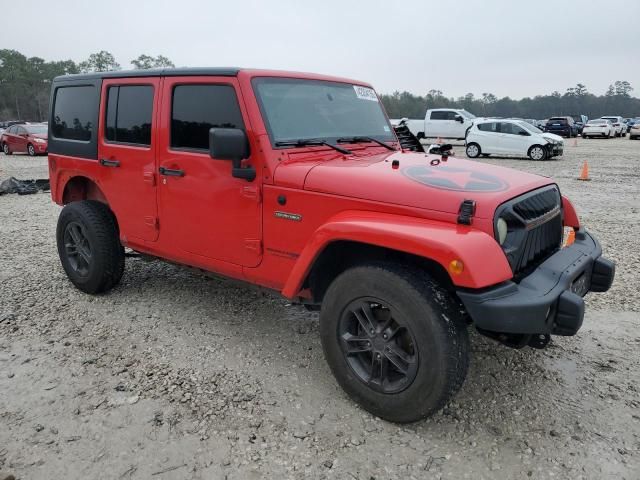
point(231, 144)
point(459, 119)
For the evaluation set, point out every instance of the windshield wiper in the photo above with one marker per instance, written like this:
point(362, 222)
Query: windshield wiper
point(365, 139)
point(310, 142)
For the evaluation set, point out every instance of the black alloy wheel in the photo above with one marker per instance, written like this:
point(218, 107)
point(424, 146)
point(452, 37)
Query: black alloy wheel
point(378, 345)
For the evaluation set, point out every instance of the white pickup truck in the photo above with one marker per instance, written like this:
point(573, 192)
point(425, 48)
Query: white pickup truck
point(441, 122)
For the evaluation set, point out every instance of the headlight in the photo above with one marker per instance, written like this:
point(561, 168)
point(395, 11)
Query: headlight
point(502, 230)
point(39, 140)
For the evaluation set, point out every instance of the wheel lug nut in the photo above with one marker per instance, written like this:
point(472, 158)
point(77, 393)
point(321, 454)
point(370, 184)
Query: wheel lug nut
point(378, 356)
point(384, 335)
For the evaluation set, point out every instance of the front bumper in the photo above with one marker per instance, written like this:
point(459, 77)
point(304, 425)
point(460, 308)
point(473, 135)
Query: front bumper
point(549, 300)
point(555, 149)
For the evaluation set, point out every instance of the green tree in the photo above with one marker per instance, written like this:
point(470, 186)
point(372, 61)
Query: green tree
point(101, 61)
point(147, 61)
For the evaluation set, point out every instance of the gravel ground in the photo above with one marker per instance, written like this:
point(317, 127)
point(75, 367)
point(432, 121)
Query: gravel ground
point(177, 375)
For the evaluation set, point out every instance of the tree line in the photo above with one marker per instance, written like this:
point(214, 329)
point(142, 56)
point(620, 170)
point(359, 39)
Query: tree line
point(577, 100)
point(25, 83)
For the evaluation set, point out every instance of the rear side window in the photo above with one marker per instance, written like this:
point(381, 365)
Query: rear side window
point(488, 127)
point(129, 114)
point(198, 108)
point(73, 113)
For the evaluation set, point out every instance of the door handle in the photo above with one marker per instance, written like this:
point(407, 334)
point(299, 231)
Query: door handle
point(170, 172)
point(109, 163)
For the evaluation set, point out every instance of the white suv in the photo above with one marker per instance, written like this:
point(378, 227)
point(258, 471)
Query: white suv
point(511, 137)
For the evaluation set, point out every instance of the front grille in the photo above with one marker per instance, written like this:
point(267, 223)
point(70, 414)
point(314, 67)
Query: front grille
point(535, 228)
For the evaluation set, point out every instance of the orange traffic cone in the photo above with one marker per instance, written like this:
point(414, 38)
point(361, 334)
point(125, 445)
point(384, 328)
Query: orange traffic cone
point(584, 174)
point(571, 237)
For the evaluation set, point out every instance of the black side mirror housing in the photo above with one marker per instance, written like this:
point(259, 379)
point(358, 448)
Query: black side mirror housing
point(231, 144)
point(459, 119)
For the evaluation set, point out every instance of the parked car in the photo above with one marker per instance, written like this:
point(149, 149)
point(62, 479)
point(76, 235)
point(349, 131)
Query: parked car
point(618, 125)
point(599, 127)
point(580, 122)
point(442, 122)
point(563, 126)
point(511, 137)
point(634, 132)
point(297, 183)
point(28, 138)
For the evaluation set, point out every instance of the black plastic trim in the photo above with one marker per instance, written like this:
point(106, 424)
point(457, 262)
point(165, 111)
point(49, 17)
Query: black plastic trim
point(543, 302)
point(154, 72)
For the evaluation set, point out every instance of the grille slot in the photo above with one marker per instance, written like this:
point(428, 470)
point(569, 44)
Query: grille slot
point(535, 220)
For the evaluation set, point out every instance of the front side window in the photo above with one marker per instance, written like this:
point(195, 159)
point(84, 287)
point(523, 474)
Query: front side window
point(511, 128)
point(198, 108)
point(129, 114)
point(297, 109)
point(73, 112)
point(488, 127)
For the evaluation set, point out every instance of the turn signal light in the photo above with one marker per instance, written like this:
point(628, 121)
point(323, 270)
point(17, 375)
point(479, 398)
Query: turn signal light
point(456, 267)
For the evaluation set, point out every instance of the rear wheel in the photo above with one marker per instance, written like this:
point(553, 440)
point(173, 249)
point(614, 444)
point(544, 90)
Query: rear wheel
point(473, 150)
point(89, 246)
point(537, 152)
point(395, 341)
point(31, 150)
point(5, 149)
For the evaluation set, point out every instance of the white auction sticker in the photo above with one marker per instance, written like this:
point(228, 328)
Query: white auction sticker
point(365, 93)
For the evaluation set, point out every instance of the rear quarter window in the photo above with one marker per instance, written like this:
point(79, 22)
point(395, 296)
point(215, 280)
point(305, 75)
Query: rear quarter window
point(73, 113)
point(73, 117)
point(488, 127)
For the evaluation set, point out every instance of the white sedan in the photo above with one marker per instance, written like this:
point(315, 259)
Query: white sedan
point(619, 126)
point(511, 137)
point(600, 127)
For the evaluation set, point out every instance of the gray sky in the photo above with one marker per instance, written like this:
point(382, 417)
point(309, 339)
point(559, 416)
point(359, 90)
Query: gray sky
point(515, 48)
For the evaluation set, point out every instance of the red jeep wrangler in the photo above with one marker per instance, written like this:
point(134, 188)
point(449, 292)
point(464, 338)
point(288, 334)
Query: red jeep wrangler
point(298, 183)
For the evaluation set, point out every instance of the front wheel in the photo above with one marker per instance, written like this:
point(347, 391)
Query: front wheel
point(395, 341)
point(537, 152)
point(31, 150)
point(473, 150)
point(89, 246)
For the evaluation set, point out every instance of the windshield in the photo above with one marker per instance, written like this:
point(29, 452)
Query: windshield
point(37, 129)
point(466, 114)
point(296, 109)
point(530, 128)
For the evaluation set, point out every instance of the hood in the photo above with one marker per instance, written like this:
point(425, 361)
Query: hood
point(553, 136)
point(417, 183)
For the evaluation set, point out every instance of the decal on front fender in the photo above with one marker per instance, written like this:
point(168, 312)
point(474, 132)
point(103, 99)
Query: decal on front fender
point(288, 216)
point(455, 178)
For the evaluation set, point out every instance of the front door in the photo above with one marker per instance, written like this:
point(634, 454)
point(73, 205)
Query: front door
point(205, 211)
point(20, 140)
point(126, 152)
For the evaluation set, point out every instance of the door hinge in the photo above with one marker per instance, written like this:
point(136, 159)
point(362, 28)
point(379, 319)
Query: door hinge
point(152, 222)
point(150, 178)
point(252, 193)
point(253, 244)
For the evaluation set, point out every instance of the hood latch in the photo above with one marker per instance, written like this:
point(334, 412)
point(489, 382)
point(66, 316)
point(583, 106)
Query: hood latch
point(466, 212)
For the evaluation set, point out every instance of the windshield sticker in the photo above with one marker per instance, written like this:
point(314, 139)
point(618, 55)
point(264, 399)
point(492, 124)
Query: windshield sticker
point(364, 93)
point(457, 179)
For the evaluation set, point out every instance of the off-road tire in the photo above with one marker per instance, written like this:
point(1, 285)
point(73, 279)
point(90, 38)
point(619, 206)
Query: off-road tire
point(99, 227)
point(435, 320)
point(476, 151)
point(532, 153)
point(31, 150)
point(6, 150)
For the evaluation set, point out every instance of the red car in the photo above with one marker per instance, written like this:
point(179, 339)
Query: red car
point(25, 138)
point(297, 183)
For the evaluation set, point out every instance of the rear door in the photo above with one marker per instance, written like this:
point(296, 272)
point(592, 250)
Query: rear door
point(126, 152)
point(490, 137)
point(203, 209)
point(20, 140)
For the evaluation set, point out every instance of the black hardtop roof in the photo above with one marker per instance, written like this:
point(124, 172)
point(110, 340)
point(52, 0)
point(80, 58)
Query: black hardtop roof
point(154, 72)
